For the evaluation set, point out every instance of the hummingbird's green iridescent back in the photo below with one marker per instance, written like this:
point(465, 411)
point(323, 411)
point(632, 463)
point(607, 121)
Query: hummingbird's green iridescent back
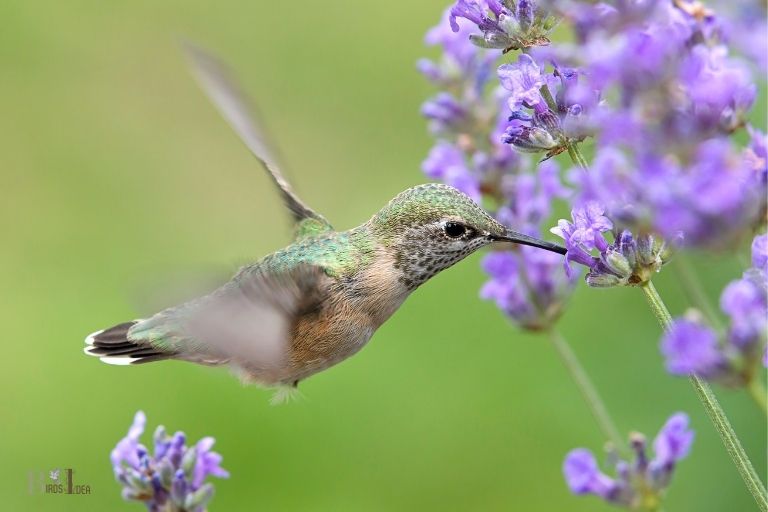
point(319, 300)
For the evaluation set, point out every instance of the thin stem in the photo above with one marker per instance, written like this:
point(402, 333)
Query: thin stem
point(587, 389)
point(696, 292)
point(573, 148)
point(575, 153)
point(714, 411)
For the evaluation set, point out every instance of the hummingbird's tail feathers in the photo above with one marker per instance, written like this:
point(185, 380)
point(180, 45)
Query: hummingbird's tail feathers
point(112, 346)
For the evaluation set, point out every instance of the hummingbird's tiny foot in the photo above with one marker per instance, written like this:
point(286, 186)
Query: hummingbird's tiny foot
point(284, 394)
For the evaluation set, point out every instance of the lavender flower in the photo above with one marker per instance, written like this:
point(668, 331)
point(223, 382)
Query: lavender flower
point(528, 285)
point(640, 482)
point(628, 261)
point(448, 164)
point(173, 479)
point(524, 80)
point(504, 24)
point(691, 346)
point(583, 475)
point(446, 113)
point(540, 123)
point(665, 162)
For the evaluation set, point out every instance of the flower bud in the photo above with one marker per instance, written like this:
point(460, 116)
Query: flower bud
point(179, 488)
point(188, 462)
point(617, 263)
point(200, 498)
point(137, 480)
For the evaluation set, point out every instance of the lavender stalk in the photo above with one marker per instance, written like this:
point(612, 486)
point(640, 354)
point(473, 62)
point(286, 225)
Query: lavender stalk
point(714, 410)
point(588, 390)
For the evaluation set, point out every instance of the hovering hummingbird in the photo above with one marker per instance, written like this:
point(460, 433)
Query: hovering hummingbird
point(318, 301)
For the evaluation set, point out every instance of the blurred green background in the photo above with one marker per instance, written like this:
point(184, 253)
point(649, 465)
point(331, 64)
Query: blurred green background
point(118, 178)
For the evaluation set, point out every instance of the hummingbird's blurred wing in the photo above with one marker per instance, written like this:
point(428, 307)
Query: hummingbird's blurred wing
point(222, 89)
point(248, 322)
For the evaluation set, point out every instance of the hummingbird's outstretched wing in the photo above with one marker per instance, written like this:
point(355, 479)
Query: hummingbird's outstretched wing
point(222, 89)
point(248, 322)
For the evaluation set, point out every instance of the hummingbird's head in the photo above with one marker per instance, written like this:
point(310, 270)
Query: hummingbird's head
point(430, 227)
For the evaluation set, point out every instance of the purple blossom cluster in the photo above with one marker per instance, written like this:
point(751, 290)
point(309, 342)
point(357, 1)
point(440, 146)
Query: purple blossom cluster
point(628, 261)
point(528, 285)
point(468, 118)
point(662, 90)
point(691, 346)
point(505, 24)
point(464, 115)
point(640, 482)
point(663, 96)
point(171, 478)
point(654, 83)
point(546, 108)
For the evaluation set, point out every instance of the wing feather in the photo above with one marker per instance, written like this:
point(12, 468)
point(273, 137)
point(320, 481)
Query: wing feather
point(248, 322)
point(222, 89)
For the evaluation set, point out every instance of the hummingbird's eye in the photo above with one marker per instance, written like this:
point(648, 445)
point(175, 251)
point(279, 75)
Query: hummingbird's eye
point(454, 229)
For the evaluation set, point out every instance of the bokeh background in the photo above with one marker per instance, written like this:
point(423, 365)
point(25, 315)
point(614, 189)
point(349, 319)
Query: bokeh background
point(119, 181)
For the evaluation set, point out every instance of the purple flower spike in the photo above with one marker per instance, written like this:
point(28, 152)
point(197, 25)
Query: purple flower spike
point(157, 479)
point(691, 347)
point(628, 261)
point(664, 163)
point(502, 28)
point(528, 285)
point(637, 478)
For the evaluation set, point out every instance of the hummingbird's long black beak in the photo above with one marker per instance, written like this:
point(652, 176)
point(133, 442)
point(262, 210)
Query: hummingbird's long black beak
point(519, 238)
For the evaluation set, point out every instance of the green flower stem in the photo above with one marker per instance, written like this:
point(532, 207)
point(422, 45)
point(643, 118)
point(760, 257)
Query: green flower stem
point(587, 389)
point(714, 410)
point(575, 153)
point(573, 148)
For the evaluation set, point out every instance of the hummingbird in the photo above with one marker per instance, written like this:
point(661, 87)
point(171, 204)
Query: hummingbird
point(318, 301)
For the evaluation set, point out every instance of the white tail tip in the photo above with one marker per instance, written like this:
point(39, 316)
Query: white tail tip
point(90, 337)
